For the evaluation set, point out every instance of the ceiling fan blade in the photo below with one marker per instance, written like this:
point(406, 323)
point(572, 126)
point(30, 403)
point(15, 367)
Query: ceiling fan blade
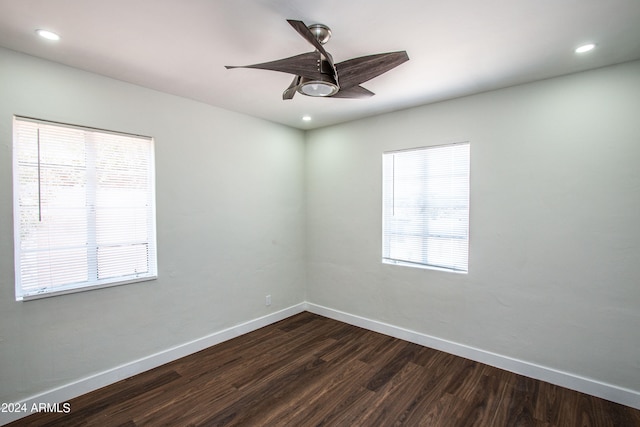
point(305, 65)
point(302, 29)
point(354, 71)
point(291, 90)
point(353, 92)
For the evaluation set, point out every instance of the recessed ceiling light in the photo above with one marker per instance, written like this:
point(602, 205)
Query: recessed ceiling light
point(47, 35)
point(585, 48)
point(306, 118)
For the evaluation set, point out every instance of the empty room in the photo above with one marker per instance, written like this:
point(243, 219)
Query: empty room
point(344, 213)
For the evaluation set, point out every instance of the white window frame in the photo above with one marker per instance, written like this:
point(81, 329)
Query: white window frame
point(125, 219)
point(425, 212)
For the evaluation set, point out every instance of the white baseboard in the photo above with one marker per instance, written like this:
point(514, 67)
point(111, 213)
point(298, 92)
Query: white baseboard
point(94, 382)
point(564, 379)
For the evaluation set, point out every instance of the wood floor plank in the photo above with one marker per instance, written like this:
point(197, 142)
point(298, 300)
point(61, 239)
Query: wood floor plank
point(308, 370)
point(404, 354)
point(441, 413)
point(483, 401)
point(396, 396)
point(309, 402)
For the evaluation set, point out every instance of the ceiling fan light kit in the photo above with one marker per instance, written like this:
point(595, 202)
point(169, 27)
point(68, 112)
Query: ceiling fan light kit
point(316, 74)
point(323, 87)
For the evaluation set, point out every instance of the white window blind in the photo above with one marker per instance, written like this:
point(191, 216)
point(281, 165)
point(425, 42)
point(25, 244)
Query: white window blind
point(84, 208)
point(426, 207)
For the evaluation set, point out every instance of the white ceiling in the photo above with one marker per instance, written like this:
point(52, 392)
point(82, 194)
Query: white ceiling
point(455, 48)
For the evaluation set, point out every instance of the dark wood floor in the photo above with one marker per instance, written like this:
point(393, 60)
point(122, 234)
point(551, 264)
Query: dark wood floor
point(309, 370)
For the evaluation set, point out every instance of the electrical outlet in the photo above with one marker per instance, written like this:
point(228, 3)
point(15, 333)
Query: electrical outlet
point(267, 300)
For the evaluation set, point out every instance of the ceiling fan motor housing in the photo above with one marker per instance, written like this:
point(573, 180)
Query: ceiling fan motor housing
point(324, 85)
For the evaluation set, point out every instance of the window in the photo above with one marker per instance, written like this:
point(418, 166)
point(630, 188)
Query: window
point(84, 208)
point(426, 207)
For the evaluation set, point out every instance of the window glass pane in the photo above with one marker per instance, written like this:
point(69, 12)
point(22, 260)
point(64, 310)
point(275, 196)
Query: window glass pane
point(426, 207)
point(83, 206)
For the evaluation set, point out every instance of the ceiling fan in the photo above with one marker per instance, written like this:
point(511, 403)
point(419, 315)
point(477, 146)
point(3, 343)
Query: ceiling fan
point(317, 75)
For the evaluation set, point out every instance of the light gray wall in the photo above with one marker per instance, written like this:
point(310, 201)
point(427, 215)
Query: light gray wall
point(230, 218)
point(555, 256)
point(554, 268)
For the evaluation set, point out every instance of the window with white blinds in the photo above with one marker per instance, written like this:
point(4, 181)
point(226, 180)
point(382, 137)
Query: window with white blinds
point(84, 208)
point(426, 207)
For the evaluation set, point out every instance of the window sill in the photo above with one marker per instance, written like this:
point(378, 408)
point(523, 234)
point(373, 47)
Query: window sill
point(79, 288)
point(422, 266)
